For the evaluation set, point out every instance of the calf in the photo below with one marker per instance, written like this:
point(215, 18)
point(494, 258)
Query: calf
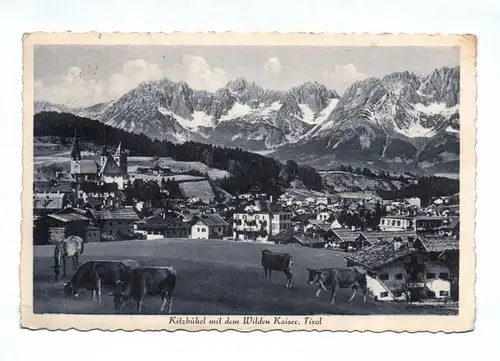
point(92, 275)
point(333, 278)
point(144, 281)
point(273, 261)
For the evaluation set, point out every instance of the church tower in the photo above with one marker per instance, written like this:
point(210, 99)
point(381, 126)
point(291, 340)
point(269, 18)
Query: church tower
point(76, 156)
point(120, 158)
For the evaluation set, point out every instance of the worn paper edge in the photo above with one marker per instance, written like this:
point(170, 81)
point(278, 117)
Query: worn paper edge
point(462, 322)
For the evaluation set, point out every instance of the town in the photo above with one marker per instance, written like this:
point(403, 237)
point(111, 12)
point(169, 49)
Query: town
point(409, 249)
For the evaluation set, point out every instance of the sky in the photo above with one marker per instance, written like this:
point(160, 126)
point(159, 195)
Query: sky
point(80, 75)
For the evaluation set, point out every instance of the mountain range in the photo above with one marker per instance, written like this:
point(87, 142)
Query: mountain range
point(400, 121)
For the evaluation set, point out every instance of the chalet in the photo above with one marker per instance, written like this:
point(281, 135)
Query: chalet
point(155, 225)
point(289, 236)
point(347, 239)
point(428, 224)
point(46, 203)
point(412, 271)
point(114, 222)
point(178, 228)
point(208, 226)
point(67, 222)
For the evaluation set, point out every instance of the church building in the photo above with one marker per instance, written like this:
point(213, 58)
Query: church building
point(111, 168)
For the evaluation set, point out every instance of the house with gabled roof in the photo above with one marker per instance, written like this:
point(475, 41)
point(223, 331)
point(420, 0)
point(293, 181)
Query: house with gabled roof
point(208, 226)
point(115, 222)
point(425, 268)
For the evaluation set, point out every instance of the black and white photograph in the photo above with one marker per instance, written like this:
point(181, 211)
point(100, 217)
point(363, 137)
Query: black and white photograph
point(198, 182)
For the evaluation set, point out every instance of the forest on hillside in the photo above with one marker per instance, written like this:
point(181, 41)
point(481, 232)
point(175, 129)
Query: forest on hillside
point(249, 171)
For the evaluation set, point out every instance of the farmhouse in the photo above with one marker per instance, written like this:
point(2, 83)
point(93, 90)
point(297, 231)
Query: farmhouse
point(208, 226)
point(424, 268)
point(178, 228)
point(46, 203)
point(116, 222)
point(65, 223)
point(156, 224)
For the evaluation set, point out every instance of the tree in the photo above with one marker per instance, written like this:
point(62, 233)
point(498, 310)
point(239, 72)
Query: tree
point(349, 169)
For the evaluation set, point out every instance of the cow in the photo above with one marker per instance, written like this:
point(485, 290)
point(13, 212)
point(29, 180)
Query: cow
point(144, 281)
point(93, 275)
point(70, 247)
point(273, 261)
point(335, 278)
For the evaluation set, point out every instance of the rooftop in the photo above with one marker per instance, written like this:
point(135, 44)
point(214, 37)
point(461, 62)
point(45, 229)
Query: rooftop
point(211, 220)
point(120, 213)
point(379, 255)
point(439, 244)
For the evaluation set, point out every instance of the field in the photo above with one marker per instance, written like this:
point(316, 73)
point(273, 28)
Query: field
point(214, 277)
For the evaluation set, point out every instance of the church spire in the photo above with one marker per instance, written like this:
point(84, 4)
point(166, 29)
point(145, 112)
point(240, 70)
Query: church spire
point(118, 150)
point(75, 152)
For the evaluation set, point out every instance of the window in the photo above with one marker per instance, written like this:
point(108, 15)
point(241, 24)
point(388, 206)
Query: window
point(198, 229)
point(203, 229)
point(383, 221)
point(393, 223)
point(444, 276)
point(430, 276)
point(257, 216)
point(444, 293)
point(383, 276)
point(384, 294)
point(399, 276)
point(398, 223)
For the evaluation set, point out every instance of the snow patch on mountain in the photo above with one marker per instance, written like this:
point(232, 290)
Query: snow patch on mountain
point(436, 108)
point(416, 130)
point(238, 110)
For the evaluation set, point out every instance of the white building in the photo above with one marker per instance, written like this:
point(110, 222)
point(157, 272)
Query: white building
point(323, 216)
point(208, 226)
point(396, 223)
point(259, 221)
point(398, 271)
point(414, 201)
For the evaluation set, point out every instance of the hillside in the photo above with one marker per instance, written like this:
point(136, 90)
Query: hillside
point(248, 171)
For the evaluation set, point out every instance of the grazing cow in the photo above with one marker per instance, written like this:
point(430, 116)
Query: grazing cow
point(273, 261)
point(66, 248)
point(144, 281)
point(333, 278)
point(92, 275)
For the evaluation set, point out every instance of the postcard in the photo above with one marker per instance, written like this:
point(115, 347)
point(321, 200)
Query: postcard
point(260, 181)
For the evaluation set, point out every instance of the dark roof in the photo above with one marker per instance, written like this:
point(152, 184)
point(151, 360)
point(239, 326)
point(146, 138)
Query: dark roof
point(90, 187)
point(88, 166)
point(454, 221)
point(285, 236)
point(439, 244)
point(110, 167)
point(159, 221)
point(178, 223)
point(379, 255)
point(346, 235)
point(377, 236)
point(302, 217)
point(121, 213)
point(68, 217)
point(211, 220)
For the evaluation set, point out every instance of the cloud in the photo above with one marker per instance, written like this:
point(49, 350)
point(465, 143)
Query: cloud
point(273, 67)
point(341, 77)
point(196, 71)
point(71, 89)
point(134, 72)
